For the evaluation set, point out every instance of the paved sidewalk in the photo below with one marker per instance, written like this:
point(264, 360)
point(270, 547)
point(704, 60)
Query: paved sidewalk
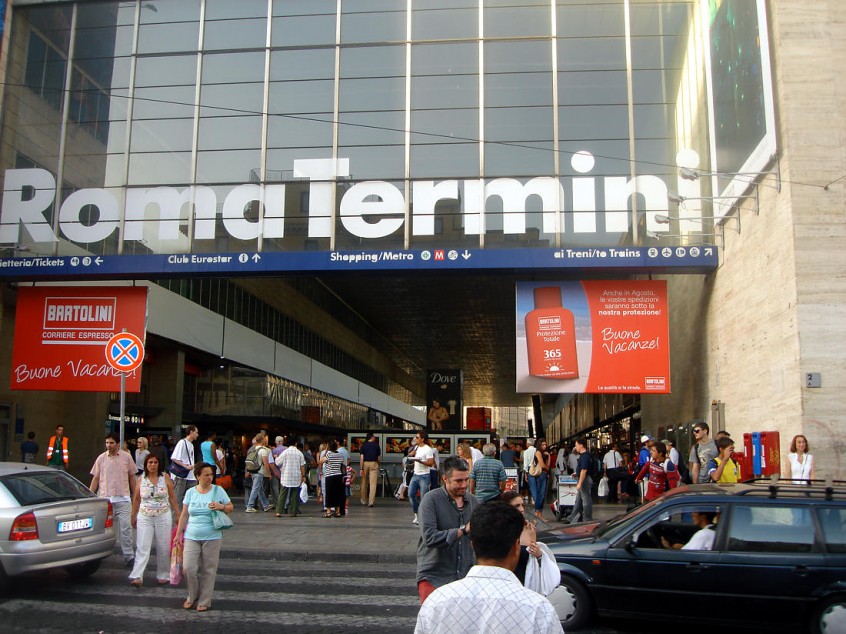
point(383, 533)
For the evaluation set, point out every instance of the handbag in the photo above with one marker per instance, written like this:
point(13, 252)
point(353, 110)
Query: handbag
point(602, 489)
point(303, 493)
point(220, 520)
point(175, 559)
point(535, 470)
point(224, 481)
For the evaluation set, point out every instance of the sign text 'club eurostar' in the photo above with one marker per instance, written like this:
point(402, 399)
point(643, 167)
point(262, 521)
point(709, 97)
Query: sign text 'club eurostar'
point(368, 209)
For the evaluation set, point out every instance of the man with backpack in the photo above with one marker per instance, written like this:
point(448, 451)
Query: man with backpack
point(584, 467)
point(257, 468)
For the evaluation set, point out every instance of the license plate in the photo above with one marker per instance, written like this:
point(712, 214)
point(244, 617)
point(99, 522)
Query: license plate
point(76, 525)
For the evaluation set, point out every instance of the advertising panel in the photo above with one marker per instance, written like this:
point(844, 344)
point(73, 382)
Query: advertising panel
point(444, 390)
point(61, 335)
point(593, 336)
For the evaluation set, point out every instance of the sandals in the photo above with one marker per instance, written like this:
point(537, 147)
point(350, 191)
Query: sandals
point(326, 514)
point(188, 605)
point(136, 582)
point(202, 608)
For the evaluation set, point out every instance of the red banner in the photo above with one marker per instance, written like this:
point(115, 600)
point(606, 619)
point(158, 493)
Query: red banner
point(594, 336)
point(61, 334)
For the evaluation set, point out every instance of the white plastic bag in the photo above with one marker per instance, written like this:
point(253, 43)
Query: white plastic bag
point(303, 493)
point(542, 575)
point(602, 490)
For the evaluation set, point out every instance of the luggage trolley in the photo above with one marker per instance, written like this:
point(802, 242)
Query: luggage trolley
point(563, 504)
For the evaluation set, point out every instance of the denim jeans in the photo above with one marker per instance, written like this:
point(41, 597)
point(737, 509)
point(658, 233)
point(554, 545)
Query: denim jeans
point(418, 483)
point(584, 503)
point(258, 491)
point(537, 487)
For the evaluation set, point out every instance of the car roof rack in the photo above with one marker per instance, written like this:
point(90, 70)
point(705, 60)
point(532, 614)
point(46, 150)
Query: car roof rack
point(790, 487)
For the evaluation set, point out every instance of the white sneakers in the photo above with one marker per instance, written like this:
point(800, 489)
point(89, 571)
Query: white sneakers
point(414, 521)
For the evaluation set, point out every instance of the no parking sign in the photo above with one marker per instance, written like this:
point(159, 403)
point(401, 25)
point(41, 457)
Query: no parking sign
point(125, 352)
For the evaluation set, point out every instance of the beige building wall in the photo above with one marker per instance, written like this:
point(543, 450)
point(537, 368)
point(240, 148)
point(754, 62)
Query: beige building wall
point(776, 308)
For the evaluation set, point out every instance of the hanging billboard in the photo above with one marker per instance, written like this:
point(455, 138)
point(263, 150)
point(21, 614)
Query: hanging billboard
point(61, 334)
point(595, 336)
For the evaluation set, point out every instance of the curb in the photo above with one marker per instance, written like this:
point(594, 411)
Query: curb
point(322, 556)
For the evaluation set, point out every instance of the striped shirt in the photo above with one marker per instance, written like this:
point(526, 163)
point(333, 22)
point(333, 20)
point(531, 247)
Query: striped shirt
point(333, 464)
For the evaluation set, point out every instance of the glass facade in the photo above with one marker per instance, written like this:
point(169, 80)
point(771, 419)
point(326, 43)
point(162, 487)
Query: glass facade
point(284, 125)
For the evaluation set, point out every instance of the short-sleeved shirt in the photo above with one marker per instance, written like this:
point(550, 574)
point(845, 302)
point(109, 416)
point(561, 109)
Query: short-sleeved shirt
point(487, 474)
point(507, 457)
point(423, 453)
point(184, 452)
point(264, 452)
point(703, 454)
point(370, 451)
point(701, 540)
point(200, 527)
point(29, 449)
point(114, 471)
point(584, 463)
point(290, 463)
point(730, 474)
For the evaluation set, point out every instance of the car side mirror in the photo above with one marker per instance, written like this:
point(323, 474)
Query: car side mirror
point(629, 544)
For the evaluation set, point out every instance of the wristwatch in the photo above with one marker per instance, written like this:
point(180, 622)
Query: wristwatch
point(464, 529)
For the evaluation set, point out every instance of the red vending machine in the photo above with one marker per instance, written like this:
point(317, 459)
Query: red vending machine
point(744, 458)
point(770, 453)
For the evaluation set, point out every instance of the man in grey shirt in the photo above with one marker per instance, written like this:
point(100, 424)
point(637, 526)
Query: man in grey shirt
point(443, 551)
point(703, 450)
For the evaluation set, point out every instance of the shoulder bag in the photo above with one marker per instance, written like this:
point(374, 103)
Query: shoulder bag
point(220, 519)
point(177, 469)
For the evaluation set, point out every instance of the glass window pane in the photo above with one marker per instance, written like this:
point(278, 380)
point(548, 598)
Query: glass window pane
point(168, 38)
point(518, 124)
point(227, 100)
point(444, 23)
point(592, 54)
point(304, 64)
point(518, 89)
point(164, 135)
point(226, 9)
point(229, 133)
point(438, 126)
point(376, 162)
point(160, 168)
point(771, 529)
point(373, 61)
point(169, 102)
point(576, 88)
point(593, 122)
point(228, 166)
point(440, 59)
point(303, 30)
point(372, 94)
point(384, 25)
point(301, 96)
point(833, 522)
point(224, 68)
point(445, 160)
point(169, 70)
point(310, 130)
point(445, 91)
point(376, 128)
point(517, 21)
point(235, 34)
point(591, 19)
point(518, 160)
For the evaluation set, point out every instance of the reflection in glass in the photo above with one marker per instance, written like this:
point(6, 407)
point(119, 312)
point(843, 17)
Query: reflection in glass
point(227, 166)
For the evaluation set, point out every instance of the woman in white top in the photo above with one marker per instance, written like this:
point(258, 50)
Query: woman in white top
point(142, 450)
point(800, 463)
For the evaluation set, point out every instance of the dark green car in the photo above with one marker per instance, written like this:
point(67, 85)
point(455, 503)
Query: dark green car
point(777, 556)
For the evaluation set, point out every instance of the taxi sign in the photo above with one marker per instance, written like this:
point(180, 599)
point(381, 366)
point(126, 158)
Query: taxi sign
point(124, 352)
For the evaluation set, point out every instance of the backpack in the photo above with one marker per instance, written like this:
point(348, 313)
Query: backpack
point(252, 463)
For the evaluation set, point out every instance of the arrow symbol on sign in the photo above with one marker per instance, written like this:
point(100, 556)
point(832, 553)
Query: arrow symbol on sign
point(466, 255)
point(256, 258)
point(98, 261)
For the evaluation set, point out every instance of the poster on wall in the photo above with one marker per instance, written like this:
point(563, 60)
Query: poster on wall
point(444, 390)
point(61, 334)
point(601, 336)
point(742, 114)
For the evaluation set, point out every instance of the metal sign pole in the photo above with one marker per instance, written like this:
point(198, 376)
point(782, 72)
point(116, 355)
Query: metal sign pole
point(122, 406)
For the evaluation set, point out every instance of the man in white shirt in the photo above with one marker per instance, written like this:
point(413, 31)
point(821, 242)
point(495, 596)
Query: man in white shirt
point(490, 598)
point(703, 539)
point(424, 458)
point(183, 455)
point(528, 458)
point(611, 463)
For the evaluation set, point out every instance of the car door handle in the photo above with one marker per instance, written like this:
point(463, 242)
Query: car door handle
point(697, 567)
point(802, 571)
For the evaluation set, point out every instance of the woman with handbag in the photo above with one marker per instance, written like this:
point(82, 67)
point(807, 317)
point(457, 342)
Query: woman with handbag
point(538, 474)
point(152, 503)
point(204, 516)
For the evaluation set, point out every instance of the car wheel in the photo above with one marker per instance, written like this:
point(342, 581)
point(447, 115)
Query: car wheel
point(572, 603)
point(830, 616)
point(78, 571)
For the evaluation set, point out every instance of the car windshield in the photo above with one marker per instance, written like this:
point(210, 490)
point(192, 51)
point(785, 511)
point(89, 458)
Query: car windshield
point(40, 487)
